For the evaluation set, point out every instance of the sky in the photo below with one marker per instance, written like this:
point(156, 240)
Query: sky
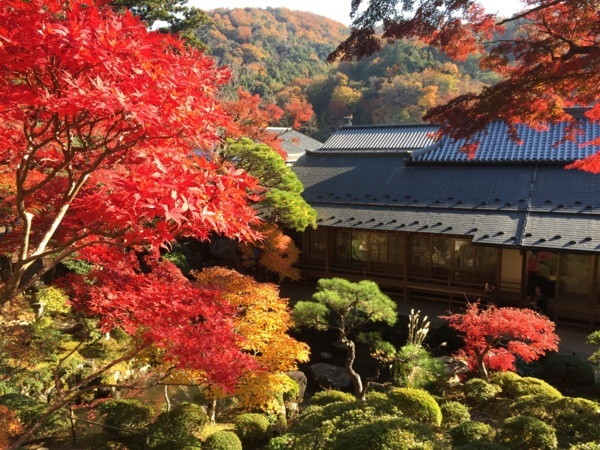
point(334, 9)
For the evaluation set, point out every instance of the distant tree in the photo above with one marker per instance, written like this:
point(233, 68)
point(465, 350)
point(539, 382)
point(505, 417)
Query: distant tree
point(170, 16)
point(347, 308)
point(282, 205)
point(552, 62)
point(494, 337)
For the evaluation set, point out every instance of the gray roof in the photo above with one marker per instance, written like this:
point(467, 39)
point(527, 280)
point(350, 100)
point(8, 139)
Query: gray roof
point(293, 142)
point(495, 146)
point(380, 138)
point(533, 206)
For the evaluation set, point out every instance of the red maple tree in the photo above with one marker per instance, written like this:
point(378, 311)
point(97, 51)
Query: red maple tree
point(107, 134)
point(553, 61)
point(107, 131)
point(494, 337)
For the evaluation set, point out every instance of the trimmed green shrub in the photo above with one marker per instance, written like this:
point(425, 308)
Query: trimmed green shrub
point(317, 426)
point(586, 446)
point(223, 440)
point(503, 379)
point(530, 386)
point(252, 429)
point(381, 403)
point(481, 446)
point(478, 391)
point(417, 404)
point(527, 432)
point(579, 427)
point(390, 433)
point(574, 405)
point(175, 429)
point(454, 413)
point(125, 418)
point(29, 411)
point(471, 432)
point(331, 396)
point(284, 442)
point(538, 406)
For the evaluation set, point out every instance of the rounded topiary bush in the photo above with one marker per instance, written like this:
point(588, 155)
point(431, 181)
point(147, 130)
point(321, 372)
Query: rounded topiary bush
point(527, 432)
point(387, 433)
point(574, 405)
point(381, 403)
point(478, 391)
point(586, 446)
point(503, 379)
point(125, 418)
point(454, 413)
point(531, 386)
point(285, 442)
point(538, 406)
point(223, 440)
point(252, 429)
point(176, 429)
point(582, 427)
point(417, 404)
point(331, 396)
point(471, 432)
point(481, 446)
point(28, 411)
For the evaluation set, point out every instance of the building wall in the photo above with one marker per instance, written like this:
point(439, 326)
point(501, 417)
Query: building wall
point(450, 269)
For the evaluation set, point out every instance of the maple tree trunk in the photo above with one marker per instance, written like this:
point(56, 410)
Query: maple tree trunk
point(212, 411)
point(483, 373)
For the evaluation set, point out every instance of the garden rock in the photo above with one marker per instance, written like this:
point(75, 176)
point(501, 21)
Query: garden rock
point(300, 379)
point(330, 376)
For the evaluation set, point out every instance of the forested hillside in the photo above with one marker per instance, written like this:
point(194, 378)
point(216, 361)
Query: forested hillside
point(281, 55)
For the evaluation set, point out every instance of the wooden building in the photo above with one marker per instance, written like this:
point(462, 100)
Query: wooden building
point(425, 221)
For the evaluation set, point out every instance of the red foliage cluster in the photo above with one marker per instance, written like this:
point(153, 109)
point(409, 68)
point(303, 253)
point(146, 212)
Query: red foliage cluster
point(495, 336)
point(192, 325)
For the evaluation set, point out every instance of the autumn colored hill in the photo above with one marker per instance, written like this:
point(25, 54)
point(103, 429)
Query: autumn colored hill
point(268, 48)
point(281, 55)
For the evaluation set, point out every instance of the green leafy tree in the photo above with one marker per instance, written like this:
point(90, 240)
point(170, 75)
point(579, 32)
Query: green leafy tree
point(172, 16)
point(347, 307)
point(282, 200)
point(594, 338)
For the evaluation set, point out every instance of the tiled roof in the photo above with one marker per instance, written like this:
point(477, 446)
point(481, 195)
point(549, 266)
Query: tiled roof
point(495, 146)
point(293, 142)
point(537, 206)
point(381, 138)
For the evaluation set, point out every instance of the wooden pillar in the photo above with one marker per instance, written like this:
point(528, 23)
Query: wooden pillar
point(524, 280)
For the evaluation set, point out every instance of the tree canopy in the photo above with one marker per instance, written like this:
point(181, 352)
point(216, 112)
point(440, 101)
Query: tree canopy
point(107, 137)
point(494, 337)
point(553, 62)
point(347, 308)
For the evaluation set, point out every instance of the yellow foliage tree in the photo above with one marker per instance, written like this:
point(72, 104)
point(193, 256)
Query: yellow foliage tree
point(277, 253)
point(263, 320)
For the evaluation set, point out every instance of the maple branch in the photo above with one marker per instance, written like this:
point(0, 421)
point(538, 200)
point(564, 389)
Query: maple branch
point(524, 14)
point(73, 392)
